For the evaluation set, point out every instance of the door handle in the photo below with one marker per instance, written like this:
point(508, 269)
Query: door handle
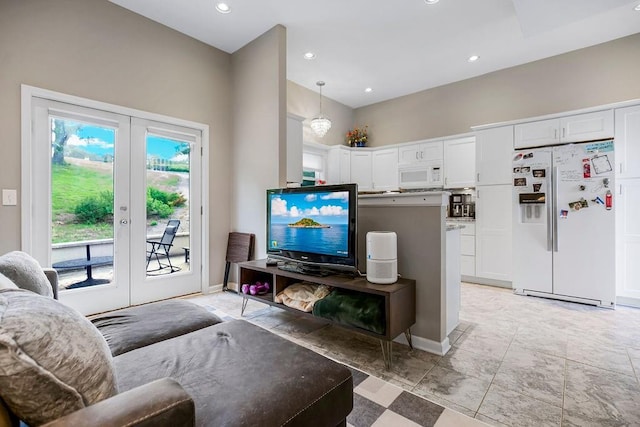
point(555, 212)
point(124, 221)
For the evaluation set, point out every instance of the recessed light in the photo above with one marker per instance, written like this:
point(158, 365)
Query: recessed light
point(473, 58)
point(223, 8)
point(637, 8)
point(431, 1)
point(309, 55)
point(368, 90)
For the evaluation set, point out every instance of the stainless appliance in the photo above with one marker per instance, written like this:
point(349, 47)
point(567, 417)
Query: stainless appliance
point(461, 206)
point(564, 223)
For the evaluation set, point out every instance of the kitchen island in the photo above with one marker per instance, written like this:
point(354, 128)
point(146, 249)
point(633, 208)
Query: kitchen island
point(427, 252)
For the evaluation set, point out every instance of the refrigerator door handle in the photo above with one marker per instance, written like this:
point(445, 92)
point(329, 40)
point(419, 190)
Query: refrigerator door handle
point(549, 212)
point(554, 208)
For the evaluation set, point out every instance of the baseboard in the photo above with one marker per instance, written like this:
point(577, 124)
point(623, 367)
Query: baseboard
point(490, 282)
point(430, 346)
point(215, 288)
point(628, 301)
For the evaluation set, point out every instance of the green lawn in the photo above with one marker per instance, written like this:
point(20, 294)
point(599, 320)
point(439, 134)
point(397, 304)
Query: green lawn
point(73, 183)
point(70, 184)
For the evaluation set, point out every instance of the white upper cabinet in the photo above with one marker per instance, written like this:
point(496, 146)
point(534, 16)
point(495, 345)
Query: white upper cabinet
point(420, 152)
point(580, 127)
point(361, 172)
point(385, 169)
point(339, 165)
point(460, 162)
point(627, 142)
point(494, 156)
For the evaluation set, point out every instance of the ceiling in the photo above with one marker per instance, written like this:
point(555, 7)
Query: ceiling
point(399, 47)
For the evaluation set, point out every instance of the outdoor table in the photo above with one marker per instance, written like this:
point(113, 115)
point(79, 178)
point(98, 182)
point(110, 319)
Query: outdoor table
point(86, 263)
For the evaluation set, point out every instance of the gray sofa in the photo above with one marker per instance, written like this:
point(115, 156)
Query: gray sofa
point(171, 363)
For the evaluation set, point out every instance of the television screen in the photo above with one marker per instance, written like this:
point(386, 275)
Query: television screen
point(313, 224)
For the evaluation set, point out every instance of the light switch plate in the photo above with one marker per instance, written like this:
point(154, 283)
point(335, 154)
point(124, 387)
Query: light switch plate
point(9, 197)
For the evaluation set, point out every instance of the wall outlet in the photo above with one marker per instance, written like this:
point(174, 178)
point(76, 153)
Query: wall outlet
point(9, 197)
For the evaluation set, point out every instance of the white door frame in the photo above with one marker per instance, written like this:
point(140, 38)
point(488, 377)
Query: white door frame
point(28, 228)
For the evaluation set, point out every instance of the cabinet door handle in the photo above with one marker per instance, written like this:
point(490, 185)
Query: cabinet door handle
point(478, 177)
point(620, 189)
point(555, 134)
point(620, 168)
point(417, 155)
point(564, 132)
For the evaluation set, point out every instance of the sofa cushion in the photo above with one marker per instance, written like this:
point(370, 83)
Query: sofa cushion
point(25, 272)
point(53, 361)
point(143, 325)
point(6, 283)
point(239, 374)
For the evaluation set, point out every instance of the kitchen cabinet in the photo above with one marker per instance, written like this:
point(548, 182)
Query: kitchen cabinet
point(460, 162)
point(580, 127)
point(361, 172)
point(627, 142)
point(294, 148)
point(385, 169)
point(626, 205)
point(420, 152)
point(339, 165)
point(493, 232)
point(468, 249)
point(494, 156)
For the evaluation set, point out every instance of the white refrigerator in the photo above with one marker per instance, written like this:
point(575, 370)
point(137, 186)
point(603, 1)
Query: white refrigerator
point(564, 223)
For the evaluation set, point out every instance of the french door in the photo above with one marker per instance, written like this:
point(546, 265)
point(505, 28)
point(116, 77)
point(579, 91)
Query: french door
point(114, 205)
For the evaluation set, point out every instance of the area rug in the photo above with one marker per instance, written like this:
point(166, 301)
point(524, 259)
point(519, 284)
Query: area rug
point(379, 403)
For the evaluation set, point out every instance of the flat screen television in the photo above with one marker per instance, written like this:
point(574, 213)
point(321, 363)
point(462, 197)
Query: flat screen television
point(314, 227)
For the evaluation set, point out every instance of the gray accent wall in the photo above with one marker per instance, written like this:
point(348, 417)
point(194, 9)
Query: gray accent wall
point(306, 103)
point(421, 249)
point(589, 77)
point(100, 51)
point(259, 131)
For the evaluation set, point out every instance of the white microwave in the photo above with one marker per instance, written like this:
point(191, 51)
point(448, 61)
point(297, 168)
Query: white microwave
point(421, 175)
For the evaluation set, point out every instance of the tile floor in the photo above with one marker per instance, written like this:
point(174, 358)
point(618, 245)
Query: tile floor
point(516, 361)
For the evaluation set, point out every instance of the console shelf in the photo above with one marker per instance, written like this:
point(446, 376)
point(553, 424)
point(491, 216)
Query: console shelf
point(399, 298)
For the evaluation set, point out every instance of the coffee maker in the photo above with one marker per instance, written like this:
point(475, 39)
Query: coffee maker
point(461, 206)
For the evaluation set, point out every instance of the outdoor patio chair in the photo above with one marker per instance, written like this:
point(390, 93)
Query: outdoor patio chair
point(161, 247)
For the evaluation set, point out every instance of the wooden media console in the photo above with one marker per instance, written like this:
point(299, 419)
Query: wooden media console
point(399, 298)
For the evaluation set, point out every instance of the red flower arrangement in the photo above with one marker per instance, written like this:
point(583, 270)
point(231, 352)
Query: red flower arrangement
point(358, 137)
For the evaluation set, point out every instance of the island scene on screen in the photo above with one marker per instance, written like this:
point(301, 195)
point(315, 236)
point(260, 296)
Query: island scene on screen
point(312, 222)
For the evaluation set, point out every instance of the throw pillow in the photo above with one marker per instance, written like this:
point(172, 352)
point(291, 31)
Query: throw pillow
point(53, 361)
point(6, 283)
point(25, 272)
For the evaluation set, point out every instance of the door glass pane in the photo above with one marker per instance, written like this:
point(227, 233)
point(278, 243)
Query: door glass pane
point(82, 240)
point(168, 204)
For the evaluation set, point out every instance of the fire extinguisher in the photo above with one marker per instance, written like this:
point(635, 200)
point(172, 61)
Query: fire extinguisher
point(608, 200)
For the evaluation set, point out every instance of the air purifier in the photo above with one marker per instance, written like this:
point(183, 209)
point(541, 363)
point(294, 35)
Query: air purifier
point(382, 257)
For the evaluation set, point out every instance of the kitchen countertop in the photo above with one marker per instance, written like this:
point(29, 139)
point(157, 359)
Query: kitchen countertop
point(451, 227)
point(460, 219)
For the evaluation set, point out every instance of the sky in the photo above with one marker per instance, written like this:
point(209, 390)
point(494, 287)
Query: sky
point(325, 208)
point(100, 140)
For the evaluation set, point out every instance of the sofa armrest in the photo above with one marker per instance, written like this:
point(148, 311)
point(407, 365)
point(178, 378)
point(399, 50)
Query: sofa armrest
point(52, 275)
point(161, 402)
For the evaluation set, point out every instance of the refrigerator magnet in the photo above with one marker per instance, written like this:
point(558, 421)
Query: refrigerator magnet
point(538, 173)
point(601, 164)
point(586, 168)
point(525, 169)
point(516, 170)
point(517, 157)
point(520, 182)
point(536, 187)
point(564, 214)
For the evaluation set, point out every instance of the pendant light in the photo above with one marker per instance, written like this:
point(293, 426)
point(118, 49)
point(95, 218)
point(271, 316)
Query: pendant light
point(320, 124)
